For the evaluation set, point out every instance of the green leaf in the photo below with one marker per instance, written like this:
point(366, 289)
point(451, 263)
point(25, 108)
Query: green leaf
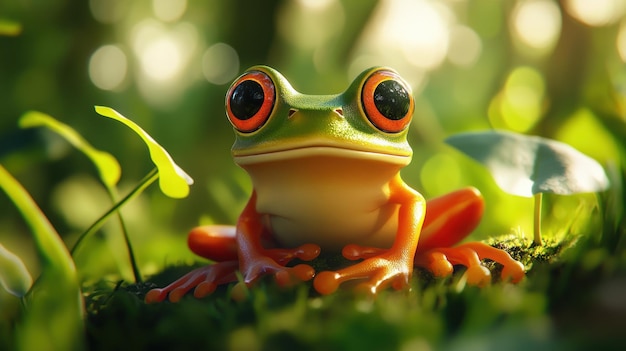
point(54, 309)
point(14, 276)
point(107, 165)
point(173, 181)
point(527, 165)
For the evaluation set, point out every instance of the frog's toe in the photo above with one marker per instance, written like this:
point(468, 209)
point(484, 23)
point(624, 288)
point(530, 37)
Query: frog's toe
point(513, 271)
point(478, 275)
point(440, 262)
point(379, 272)
point(203, 281)
point(306, 252)
point(176, 290)
point(355, 252)
point(326, 282)
point(292, 275)
point(436, 262)
point(155, 295)
point(204, 289)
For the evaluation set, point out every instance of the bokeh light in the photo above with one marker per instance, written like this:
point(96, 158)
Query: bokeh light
point(317, 21)
point(162, 52)
point(536, 24)
point(220, 63)
point(169, 10)
point(412, 31)
point(596, 12)
point(108, 67)
point(520, 103)
point(465, 46)
point(161, 59)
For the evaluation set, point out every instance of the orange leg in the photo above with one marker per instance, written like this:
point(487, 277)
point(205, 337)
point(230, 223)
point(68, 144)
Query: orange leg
point(215, 242)
point(236, 248)
point(449, 219)
point(392, 266)
point(256, 261)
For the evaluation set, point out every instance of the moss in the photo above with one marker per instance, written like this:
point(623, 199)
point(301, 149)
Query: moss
point(550, 309)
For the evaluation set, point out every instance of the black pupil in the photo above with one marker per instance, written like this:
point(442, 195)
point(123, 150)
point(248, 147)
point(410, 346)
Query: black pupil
point(392, 100)
point(247, 99)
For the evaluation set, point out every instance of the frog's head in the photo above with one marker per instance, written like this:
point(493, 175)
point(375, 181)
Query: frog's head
point(274, 122)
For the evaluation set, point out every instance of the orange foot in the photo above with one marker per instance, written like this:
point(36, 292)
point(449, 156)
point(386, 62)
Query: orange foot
point(440, 261)
point(273, 261)
point(380, 267)
point(203, 280)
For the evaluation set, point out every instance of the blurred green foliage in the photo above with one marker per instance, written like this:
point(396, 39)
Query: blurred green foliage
point(544, 67)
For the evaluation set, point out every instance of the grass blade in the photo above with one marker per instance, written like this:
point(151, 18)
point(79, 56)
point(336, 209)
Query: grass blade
point(54, 309)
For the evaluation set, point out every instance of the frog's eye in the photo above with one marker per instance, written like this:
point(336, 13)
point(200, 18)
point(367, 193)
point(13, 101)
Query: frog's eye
point(387, 101)
point(250, 100)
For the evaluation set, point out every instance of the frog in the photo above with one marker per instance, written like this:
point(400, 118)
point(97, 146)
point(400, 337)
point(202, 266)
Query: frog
point(325, 174)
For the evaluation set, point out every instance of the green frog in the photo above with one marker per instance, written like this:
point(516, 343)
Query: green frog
point(325, 171)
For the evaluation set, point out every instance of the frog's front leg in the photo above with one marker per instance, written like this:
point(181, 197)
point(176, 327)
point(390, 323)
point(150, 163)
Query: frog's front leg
point(449, 219)
point(214, 242)
point(255, 260)
point(392, 266)
point(236, 248)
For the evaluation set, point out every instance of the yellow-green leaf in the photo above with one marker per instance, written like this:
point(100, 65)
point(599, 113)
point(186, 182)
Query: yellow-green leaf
point(14, 276)
point(54, 311)
point(173, 181)
point(108, 167)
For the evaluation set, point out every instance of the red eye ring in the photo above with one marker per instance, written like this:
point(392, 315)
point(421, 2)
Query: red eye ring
point(387, 101)
point(250, 101)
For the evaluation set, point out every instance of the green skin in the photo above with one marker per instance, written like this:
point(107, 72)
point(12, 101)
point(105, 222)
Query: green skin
point(319, 124)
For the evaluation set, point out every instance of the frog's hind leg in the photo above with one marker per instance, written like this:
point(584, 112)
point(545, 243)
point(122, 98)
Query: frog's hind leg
point(450, 218)
point(214, 242)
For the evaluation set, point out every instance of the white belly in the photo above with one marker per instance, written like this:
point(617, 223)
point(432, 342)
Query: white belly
point(327, 200)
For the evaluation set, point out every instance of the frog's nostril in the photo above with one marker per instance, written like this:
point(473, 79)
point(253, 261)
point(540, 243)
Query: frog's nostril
point(339, 111)
point(291, 112)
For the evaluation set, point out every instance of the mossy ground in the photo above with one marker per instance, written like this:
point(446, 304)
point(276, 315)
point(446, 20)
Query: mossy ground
point(572, 298)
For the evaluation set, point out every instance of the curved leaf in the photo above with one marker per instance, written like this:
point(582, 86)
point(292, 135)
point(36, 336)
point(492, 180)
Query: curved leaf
point(108, 167)
point(56, 300)
point(14, 276)
point(527, 165)
point(173, 181)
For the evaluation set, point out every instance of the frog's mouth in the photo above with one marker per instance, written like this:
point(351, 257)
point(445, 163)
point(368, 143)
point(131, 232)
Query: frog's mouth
point(331, 151)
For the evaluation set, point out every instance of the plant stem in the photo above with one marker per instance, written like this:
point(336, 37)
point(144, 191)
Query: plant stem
point(131, 255)
point(143, 184)
point(537, 217)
